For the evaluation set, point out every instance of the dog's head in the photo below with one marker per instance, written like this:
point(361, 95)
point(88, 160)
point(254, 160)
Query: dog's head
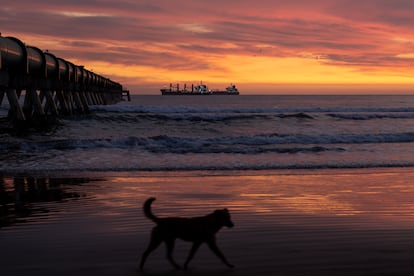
point(224, 218)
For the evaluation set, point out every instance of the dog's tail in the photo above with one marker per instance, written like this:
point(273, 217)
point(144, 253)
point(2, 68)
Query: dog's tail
point(147, 209)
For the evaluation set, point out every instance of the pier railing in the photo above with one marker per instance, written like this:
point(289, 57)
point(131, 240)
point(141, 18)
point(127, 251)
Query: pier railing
point(37, 83)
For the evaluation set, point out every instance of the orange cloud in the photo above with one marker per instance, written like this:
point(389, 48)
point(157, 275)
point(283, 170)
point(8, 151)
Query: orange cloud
point(268, 44)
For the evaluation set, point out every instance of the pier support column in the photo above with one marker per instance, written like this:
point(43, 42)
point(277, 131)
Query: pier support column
point(62, 102)
point(27, 105)
point(102, 97)
point(32, 104)
point(84, 101)
point(78, 102)
point(69, 101)
point(87, 97)
point(1, 96)
point(50, 103)
point(37, 104)
point(126, 93)
point(98, 98)
point(93, 98)
point(15, 110)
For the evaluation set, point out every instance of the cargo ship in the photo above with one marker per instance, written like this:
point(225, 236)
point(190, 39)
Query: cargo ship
point(200, 89)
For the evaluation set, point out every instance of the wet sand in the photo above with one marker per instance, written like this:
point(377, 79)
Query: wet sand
point(331, 222)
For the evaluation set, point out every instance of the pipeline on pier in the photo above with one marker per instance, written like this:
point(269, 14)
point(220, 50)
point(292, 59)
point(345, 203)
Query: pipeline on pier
point(50, 85)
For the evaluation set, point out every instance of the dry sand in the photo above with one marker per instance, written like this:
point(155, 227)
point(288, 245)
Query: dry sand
point(336, 222)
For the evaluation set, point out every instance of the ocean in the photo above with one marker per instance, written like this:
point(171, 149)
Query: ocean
point(173, 133)
point(316, 185)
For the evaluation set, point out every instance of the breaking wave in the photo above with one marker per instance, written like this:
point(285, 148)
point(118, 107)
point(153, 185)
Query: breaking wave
point(136, 113)
point(230, 144)
point(250, 133)
point(370, 116)
point(275, 110)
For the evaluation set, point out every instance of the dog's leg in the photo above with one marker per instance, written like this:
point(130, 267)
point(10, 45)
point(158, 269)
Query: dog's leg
point(213, 246)
point(194, 248)
point(155, 241)
point(170, 247)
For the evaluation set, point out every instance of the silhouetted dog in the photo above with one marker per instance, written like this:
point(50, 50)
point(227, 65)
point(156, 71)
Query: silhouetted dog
point(197, 230)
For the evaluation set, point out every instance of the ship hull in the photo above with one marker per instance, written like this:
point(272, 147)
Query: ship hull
point(199, 90)
point(181, 93)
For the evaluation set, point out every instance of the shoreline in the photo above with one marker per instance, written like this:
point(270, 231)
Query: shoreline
point(311, 222)
point(208, 171)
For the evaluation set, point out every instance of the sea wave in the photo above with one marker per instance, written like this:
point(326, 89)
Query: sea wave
point(124, 167)
point(199, 117)
point(238, 110)
point(191, 114)
point(228, 144)
point(369, 116)
point(258, 167)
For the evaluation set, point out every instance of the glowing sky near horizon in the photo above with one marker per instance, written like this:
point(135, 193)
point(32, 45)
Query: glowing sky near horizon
point(263, 45)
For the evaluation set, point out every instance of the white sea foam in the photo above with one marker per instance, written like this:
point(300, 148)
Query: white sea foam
point(240, 133)
point(228, 144)
point(259, 110)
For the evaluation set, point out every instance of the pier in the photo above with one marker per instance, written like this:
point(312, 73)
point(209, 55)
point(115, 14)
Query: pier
point(38, 84)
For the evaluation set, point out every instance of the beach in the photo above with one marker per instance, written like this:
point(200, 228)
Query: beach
point(299, 222)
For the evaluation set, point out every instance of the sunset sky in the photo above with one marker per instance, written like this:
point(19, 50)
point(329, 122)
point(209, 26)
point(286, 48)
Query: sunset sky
point(264, 46)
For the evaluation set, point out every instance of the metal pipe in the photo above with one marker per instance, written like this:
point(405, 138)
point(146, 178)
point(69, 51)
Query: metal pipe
point(63, 69)
point(51, 66)
point(36, 61)
point(27, 68)
point(18, 59)
point(12, 54)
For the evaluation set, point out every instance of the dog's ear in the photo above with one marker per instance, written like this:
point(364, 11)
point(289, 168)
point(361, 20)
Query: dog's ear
point(223, 216)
